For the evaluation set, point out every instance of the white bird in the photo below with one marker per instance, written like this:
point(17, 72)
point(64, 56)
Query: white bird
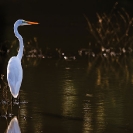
point(14, 68)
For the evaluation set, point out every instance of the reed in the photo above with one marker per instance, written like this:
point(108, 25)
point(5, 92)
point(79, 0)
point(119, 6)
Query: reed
point(112, 31)
point(32, 52)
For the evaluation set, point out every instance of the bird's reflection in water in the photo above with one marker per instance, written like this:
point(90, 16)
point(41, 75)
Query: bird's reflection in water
point(13, 126)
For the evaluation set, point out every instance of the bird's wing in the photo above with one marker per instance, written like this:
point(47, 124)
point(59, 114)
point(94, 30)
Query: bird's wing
point(14, 74)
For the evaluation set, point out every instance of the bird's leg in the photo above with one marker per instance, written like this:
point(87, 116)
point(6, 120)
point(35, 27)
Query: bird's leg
point(19, 101)
point(18, 112)
point(12, 100)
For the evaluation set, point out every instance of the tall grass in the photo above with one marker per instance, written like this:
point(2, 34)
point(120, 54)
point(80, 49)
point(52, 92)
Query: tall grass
point(32, 53)
point(112, 31)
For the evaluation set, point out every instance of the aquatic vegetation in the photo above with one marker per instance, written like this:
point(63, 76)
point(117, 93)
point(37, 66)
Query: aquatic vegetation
point(112, 34)
point(32, 52)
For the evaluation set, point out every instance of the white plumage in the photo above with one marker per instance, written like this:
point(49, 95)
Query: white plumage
point(14, 68)
point(14, 75)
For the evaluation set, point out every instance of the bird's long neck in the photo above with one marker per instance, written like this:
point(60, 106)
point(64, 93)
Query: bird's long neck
point(21, 46)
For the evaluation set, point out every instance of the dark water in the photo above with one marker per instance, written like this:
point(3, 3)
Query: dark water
point(74, 97)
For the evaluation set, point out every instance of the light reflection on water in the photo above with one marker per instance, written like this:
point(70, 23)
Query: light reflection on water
point(73, 97)
point(87, 110)
point(68, 103)
point(69, 95)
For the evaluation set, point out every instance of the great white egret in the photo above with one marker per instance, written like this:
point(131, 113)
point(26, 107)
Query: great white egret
point(14, 68)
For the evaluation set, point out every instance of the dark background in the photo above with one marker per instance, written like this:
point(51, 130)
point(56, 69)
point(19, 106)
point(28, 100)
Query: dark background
point(62, 23)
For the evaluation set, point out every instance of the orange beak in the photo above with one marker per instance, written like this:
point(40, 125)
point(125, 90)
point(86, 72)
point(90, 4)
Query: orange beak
point(29, 22)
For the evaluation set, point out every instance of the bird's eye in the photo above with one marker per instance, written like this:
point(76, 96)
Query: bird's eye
point(23, 21)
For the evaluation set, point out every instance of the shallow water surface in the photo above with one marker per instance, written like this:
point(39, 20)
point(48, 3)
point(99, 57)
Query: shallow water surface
point(73, 97)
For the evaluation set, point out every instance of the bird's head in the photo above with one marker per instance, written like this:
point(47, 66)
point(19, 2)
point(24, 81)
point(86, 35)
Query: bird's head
point(22, 22)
